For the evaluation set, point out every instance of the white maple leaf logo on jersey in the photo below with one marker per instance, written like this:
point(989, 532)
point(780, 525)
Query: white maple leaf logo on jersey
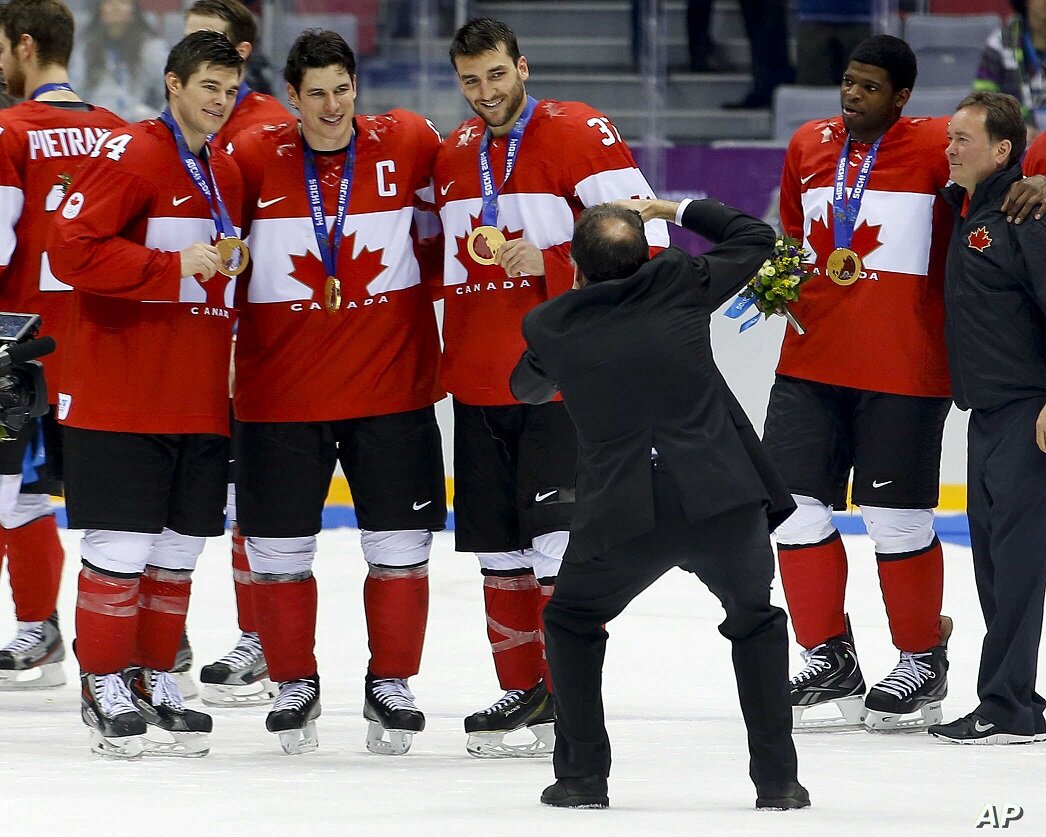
point(468, 133)
point(553, 109)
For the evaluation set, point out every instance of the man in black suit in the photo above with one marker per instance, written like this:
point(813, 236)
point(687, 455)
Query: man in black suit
point(670, 474)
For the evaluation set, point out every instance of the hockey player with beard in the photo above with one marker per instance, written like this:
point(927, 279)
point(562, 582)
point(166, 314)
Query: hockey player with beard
point(43, 142)
point(145, 401)
point(336, 320)
point(509, 185)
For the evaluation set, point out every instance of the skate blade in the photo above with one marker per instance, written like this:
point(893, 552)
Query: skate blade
point(47, 676)
point(160, 743)
point(223, 695)
point(396, 744)
point(186, 685)
point(839, 715)
point(999, 738)
point(912, 722)
point(124, 747)
point(297, 741)
point(492, 745)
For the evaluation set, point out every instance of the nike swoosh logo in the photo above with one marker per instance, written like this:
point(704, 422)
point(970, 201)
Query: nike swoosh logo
point(180, 201)
point(444, 189)
point(804, 179)
point(420, 506)
point(982, 727)
point(539, 496)
point(262, 204)
point(877, 484)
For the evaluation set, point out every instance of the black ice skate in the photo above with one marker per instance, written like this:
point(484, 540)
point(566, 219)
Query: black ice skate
point(828, 694)
point(388, 704)
point(577, 792)
point(106, 706)
point(180, 731)
point(240, 678)
point(531, 710)
point(909, 697)
point(293, 716)
point(33, 659)
point(182, 669)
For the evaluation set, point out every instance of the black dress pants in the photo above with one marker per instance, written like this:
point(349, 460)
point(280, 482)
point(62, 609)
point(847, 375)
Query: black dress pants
point(1007, 509)
point(731, 554)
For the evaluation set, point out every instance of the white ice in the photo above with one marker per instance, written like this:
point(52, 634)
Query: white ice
point(680, 764)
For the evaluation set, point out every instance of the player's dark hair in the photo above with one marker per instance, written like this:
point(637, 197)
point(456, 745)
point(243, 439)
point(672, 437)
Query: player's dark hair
point(242, 26)
point(1002, 120)
point(48, 22)
point(483, 34)
point(893, 55)
point(315, 49)
point(609, 243)
point(197, 49)
point(1020, 7)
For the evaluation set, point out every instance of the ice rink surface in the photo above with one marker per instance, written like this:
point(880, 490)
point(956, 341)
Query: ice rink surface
point(680, 765)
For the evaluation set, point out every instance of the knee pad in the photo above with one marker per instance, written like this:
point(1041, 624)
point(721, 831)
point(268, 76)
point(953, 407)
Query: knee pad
point(399, 548)
point(121, 553)
point(173, 551)
point(811, 522)
point(230, 504)
point(25, 508)
point(502, 561)
point(898, 530)
point(282, 559)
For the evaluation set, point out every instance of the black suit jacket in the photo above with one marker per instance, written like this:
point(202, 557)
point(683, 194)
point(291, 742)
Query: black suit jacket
point(633, 360)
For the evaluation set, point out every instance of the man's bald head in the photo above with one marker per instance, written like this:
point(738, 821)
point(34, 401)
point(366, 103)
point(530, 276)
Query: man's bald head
point(609, 243)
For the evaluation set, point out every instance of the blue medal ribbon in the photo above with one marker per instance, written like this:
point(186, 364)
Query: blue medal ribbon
point(489, 189)
point(328, 242)
point(222, 222)
point(845, 211)
point(54, 85)
point(738, 307)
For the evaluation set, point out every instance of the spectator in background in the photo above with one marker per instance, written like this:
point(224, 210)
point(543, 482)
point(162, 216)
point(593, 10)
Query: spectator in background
point(115, 61)
point(1013, 60)
point(766, 24)
point(827, 31)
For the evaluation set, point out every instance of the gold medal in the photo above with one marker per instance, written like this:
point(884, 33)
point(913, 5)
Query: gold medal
point(234, 255)
point(844, 266)
point(332, 294)
point(484, 243)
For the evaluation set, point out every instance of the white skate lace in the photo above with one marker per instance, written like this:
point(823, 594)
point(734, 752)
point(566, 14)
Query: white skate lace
point(294, 695)
point(25, 639)
point(393, 693)
point(816, 663)
point(165, 690)
point(247, 651)
point(908, 675)
point(113, 694)
point(510, 697)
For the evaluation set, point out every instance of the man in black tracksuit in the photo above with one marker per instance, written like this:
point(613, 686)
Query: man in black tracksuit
point(995, 299)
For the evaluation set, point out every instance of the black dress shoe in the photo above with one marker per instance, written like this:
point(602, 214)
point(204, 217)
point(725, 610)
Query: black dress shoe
point(781, 796)
point(577, 792)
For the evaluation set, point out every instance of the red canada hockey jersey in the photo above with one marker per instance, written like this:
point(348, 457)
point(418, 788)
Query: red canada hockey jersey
point(1035, 159)
point(379, 353)
point(571, 157)
point(42, 146)
point(255, 109)
point(886, 331)
point(147, 349)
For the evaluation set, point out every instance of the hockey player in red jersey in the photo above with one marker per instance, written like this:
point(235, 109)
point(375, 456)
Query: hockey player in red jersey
point(241, 676)
point(335, 320)
point(866, 388)
point(141, 237)
point(43, 142)
point(508, 186)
